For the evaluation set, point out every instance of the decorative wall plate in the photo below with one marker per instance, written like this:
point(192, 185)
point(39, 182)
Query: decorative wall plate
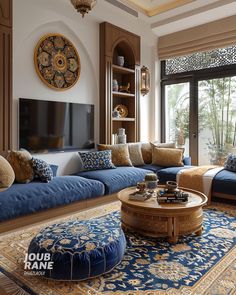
point(122, 109)
point(57, 62)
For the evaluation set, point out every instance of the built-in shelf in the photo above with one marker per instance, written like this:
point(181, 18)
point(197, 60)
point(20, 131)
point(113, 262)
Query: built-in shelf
point(122, 70)
point(124, 119)
point(122, 94)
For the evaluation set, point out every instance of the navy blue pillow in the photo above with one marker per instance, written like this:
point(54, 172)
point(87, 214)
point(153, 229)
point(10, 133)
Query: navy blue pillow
point(230, 163)
point(96, 160)
point(42, 170)
point(54, 169)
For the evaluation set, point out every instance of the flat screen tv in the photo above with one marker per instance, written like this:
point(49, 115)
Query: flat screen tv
point(55, 126)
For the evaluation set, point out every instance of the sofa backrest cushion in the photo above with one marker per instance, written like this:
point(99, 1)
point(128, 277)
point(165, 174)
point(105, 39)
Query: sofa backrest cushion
point(135, 154)
point(21, 164)
point(120, 153)
point(96, 160)
point(146, 150)
point(167, 157)
point(7, 175)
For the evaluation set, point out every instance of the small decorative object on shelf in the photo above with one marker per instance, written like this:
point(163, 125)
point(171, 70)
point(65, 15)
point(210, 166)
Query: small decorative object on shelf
point(115, 86)
point(121, 135)
point(151, 181)
point(114, 138)
point(120, 60)
point(122, 109)
point(145, 80)
point(125, 88)
point(115, 114)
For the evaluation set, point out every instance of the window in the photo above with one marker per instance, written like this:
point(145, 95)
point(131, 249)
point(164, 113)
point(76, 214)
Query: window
point(199, 104)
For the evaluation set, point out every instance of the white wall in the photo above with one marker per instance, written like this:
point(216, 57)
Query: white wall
point(32, 19)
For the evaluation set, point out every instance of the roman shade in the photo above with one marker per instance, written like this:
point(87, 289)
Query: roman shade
point(217, 34)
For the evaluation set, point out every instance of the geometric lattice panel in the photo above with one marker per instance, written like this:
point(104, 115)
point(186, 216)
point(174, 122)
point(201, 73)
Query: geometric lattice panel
point(201, 60)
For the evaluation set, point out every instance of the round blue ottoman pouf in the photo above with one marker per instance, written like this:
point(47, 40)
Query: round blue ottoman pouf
point(78, 250)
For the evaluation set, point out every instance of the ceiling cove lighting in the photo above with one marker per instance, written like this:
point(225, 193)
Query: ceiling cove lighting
point(83, 6)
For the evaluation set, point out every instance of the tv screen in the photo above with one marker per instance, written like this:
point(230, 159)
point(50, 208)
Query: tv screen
point(55, 126)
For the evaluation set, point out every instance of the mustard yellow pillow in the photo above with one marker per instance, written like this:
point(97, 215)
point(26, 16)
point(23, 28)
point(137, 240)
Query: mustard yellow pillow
point(135, 154)
point(119, 153)
point(21, 164)
point(167, 157)
point(146, 150)
point(7, 175)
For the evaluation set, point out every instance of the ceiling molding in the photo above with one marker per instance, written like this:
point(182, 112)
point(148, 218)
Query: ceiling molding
point(191, 13)
point(122, 6)
point(157, 9)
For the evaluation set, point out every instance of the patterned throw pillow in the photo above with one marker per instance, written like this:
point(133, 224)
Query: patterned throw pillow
point(42, 170)
point(96, 160)
point(230, 163)
point(120, 153)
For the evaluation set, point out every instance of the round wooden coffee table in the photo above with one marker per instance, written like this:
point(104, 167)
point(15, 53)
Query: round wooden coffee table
point(162, 220)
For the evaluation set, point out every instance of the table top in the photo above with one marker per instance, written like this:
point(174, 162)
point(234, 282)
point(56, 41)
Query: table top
point(196, 199)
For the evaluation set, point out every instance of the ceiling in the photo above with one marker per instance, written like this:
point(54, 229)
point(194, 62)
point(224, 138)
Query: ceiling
point(154, 7)
point(168, 16)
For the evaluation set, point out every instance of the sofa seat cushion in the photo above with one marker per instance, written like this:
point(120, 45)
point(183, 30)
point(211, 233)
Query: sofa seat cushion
point(224, 182)
point(169, 174)
point(80, 250)
point(116, 179)
point(21, 199)
point(153, 168)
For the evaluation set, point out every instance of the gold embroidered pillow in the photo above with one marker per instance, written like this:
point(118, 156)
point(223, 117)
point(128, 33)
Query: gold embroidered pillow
point(21, 164)
point(167, 157)
point(135, 154)
point(146, 150)
point(7, 175)
point(119, 153)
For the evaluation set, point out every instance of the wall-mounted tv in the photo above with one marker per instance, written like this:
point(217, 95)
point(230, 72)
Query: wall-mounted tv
point(46, 126)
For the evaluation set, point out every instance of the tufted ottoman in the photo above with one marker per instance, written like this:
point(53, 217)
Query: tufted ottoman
point(79, 250)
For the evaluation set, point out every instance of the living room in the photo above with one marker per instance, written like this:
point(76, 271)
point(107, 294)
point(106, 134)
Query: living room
point(117, 144)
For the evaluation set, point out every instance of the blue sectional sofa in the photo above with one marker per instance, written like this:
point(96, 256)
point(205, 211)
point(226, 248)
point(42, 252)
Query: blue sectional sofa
point(22, 200)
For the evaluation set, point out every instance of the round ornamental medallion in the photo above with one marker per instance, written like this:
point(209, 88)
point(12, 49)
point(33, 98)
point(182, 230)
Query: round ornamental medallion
point(57, 62)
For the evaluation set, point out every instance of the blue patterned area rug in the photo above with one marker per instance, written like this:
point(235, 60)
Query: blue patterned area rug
point(195, 265)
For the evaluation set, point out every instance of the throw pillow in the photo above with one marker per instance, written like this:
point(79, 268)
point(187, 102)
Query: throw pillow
point(96, 160)
point(163, 144)
point(54, 169)
point(42, 170)
point(230, 163)
point(167, 157)
point(7, 175)
point(135, 154)
point(146, 150)
point(21, 164)
point(119, 153)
